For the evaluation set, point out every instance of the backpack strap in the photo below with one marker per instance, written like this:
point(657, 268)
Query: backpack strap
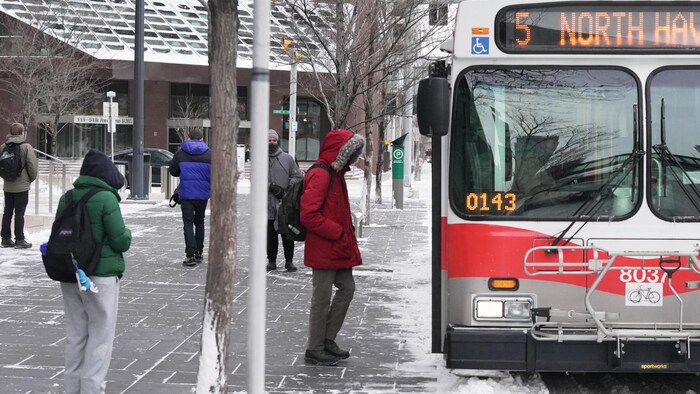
point(330, 179)
point(84, 199)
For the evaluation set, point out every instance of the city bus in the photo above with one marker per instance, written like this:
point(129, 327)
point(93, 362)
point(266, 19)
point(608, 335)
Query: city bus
point(566, 186)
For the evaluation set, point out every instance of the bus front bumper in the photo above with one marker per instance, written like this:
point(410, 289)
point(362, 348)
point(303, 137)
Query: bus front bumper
point(517, 350)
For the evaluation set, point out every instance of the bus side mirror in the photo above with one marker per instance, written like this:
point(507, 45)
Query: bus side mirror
point(433, 106)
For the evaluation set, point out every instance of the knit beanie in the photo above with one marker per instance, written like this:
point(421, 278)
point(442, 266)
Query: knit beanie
point(272, 133)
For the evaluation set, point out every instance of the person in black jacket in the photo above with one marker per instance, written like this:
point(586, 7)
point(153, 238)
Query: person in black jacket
point(192, 163)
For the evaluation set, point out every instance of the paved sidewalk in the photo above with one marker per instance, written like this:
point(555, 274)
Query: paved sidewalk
point(160, 314)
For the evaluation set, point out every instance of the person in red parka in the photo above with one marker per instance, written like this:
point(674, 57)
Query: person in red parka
point(331, 247)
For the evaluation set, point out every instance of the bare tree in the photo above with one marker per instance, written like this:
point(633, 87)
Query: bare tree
point(189, 110)
point(48, 76)
point(213, 361)
point(355, 53)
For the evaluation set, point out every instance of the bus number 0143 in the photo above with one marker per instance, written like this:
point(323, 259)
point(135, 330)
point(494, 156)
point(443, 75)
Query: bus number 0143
point(487, 202)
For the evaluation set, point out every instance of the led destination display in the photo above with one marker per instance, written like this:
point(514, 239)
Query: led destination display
point(610, 27)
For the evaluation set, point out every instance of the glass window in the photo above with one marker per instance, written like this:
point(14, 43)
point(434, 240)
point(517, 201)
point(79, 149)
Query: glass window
point(312, 124)
point(674, 97)
point(545, 143)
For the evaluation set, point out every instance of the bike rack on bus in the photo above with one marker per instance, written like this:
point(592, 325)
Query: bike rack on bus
point(595, 264)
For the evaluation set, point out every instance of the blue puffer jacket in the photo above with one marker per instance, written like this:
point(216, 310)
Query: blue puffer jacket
point(192, 163)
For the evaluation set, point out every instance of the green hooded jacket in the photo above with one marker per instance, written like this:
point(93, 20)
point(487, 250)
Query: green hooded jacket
point(107, 224)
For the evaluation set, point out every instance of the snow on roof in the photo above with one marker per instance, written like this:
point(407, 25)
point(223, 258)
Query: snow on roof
point(175, 31)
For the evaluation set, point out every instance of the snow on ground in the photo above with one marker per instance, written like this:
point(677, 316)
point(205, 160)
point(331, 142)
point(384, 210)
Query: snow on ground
point(418, 330)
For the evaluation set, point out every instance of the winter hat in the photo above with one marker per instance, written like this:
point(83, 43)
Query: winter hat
point(98, 165)
point(273, 134)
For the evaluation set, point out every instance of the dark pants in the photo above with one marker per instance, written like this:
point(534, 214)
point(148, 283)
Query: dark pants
point(326, 316)
point(273, 244)
point(193, 221)
point(17, 203)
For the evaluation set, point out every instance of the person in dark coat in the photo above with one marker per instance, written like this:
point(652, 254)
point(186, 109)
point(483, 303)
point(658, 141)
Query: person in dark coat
point(91, 317)
point(331, 246)
point(17, 191)
point(283, 173)
point(192, 163)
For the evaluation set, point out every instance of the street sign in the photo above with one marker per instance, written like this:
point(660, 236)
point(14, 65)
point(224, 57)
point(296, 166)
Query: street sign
point(397, 160)
point(111, 110)
point(280, 111)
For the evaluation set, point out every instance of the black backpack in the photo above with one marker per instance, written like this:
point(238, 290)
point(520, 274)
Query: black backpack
point(71, 238)
point(11, 161)
point(289, 211)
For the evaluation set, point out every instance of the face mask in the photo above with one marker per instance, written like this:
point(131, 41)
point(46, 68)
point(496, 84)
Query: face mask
point(355, 155)
point(272, 148)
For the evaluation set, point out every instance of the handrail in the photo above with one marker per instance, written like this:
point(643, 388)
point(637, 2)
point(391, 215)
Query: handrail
point(48, 155)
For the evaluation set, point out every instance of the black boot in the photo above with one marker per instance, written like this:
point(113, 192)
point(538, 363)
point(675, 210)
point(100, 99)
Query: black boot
point(198, 257)
point(332, 348)
point(22, 244)
point(7, 243)
point(320, 357)
point(290, 267)
point(271, 266)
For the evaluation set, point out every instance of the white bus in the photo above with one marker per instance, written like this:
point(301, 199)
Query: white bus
point(566, 154)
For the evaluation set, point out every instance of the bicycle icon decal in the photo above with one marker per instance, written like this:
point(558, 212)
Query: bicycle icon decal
point(644, 294)
point(480, 46)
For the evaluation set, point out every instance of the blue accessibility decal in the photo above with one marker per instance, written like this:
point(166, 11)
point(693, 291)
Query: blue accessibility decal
point(480, 46)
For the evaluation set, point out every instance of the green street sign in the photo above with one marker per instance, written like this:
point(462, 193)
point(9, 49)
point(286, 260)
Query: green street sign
point(280, 111)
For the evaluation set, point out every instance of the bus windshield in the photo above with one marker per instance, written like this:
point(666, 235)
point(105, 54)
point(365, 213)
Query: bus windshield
point(545, 143)
point(674, 99)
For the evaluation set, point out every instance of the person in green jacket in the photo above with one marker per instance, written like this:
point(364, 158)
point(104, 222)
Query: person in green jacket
point(91, 318)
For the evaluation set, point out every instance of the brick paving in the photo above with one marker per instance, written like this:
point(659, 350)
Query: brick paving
point(160, 314)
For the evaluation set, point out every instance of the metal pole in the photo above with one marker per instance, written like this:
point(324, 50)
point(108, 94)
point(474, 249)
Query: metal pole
point(293, 109)
point(111, 125)
point(436, 239)
point(137, 192)
point(408, 128)
point(259, 121)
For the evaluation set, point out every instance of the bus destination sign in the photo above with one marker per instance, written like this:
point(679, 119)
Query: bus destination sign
point(596, 27)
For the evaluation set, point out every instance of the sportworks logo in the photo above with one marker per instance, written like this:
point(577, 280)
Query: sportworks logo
point(65, 232)
point(654, 366)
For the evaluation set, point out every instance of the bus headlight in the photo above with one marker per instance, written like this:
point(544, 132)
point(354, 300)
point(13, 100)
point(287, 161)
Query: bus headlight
point(489, 309)
point(517, 310)
point(502, 308)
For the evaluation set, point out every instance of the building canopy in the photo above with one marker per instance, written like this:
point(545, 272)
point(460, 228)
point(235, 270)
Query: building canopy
point(175, 30)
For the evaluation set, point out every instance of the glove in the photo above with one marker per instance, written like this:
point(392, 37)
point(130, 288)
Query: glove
point(276, 190)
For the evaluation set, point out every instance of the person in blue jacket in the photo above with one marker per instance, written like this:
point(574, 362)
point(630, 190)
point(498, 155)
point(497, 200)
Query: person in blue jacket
point(192, 163)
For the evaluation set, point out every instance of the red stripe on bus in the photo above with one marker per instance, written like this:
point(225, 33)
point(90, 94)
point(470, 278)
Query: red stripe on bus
point(488, 250)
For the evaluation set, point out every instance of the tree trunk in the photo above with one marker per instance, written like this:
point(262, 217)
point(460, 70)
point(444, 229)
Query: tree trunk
point(381, 136)
point(213, 361)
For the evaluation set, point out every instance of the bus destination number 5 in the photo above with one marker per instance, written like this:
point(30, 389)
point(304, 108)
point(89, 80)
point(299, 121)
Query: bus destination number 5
point(497, 202)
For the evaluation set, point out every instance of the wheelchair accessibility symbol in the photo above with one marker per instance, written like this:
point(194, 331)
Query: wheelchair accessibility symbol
point(480, 46)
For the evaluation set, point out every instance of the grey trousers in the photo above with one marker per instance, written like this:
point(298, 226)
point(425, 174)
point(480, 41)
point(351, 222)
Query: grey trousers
point(326, 317)
point(91, 320)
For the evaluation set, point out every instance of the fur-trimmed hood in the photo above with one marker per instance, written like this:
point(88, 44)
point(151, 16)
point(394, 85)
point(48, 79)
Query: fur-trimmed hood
point(338, 147)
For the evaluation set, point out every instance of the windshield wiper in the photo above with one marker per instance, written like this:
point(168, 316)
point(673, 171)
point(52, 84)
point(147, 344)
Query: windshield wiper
point(669, 159)
point(607, 189)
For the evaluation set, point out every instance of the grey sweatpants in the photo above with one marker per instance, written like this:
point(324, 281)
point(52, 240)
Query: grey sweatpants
point(91, 320)
point(326, 317)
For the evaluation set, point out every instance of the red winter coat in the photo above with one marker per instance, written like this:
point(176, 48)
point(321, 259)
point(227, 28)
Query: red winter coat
point(330, 237)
